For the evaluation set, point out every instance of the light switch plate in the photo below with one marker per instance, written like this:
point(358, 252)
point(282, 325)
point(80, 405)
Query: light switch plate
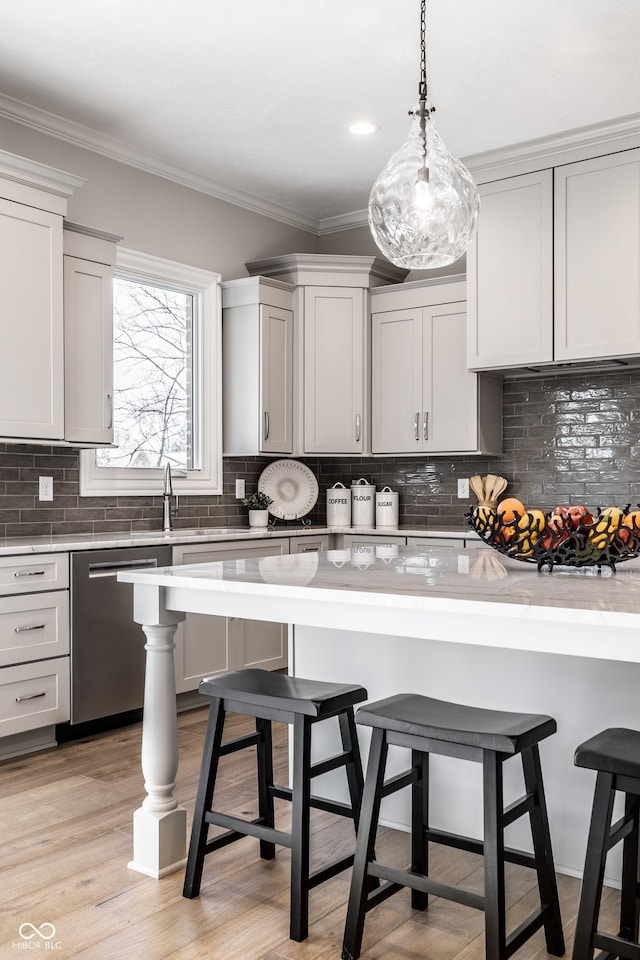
point(463, 489)
point(239, 489)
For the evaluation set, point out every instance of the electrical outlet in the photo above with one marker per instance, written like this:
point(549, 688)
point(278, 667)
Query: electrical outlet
point(240, 489)
point(463, 489)
point(45, 488)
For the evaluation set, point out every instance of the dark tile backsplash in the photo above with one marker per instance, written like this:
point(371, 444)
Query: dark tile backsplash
point(567, 439)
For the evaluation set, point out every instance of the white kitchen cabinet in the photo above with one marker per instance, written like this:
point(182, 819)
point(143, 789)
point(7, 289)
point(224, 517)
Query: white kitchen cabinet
point(33, 202)
point(597, 257)
point(208, 645)
point(424, 400)
point(335, 373)
point(510, 274)
point(32, 355)
point(89, 259)
point(34, 643)
point(332, 346)
point(257, 352)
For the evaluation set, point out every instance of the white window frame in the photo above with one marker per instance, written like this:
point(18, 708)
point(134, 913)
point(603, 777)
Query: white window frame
point(125, 481)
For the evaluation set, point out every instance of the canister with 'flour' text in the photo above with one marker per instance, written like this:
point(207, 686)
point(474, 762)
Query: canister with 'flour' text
point(362, 503)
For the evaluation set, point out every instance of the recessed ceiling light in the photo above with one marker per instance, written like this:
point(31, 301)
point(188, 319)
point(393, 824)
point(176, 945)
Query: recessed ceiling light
point(363, 128)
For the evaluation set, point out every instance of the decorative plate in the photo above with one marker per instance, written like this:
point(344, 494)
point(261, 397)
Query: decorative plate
point(292, 487)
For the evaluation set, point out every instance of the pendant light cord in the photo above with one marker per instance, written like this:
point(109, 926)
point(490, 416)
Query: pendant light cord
point(422, 87)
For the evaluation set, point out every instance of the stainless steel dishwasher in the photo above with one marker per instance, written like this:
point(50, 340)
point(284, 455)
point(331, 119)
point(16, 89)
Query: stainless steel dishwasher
point(107, 647)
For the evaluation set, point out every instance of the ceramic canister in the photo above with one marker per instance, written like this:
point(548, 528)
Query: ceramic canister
point(338, 506)
point(387, 508)
point(362, 503)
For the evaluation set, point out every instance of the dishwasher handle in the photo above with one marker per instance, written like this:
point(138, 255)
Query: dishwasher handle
point(111, 568)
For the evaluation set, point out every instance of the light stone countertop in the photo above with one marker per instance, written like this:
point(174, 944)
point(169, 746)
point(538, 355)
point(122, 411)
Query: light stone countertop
point(102, 541)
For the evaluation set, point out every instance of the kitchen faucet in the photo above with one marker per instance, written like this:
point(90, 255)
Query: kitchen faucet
point(167, 492)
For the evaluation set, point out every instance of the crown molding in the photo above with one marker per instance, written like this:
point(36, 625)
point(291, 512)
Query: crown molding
point(114, 149)
point(570, 146)
point(30, 173)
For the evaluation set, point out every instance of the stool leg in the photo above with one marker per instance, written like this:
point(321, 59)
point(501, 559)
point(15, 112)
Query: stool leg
point(542, 851)
point(629, 895)
point(591, 892)
point(204, 799)
point(354, 927)
point(494, 892)
point(265, 783)
point(300, 808)
point(419, 823)
point(350, 744)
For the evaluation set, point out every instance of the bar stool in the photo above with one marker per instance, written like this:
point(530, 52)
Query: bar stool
point(488, 737)
point(302, 703)
point(615, 755)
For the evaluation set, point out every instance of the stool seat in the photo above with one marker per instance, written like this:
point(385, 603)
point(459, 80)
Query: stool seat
point(615, 750)
point(419, 716)
point(310, 698)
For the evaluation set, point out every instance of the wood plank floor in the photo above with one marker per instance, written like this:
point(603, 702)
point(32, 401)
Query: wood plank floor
point(66, 840)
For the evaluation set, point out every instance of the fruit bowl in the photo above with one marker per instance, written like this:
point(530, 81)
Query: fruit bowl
point(565, 536)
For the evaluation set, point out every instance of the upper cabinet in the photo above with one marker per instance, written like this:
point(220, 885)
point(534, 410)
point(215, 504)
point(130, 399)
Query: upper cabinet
point(424, 400)
point(597, 257)
point(89, 259)
point(510, 274)
point(257, 361)
point(332, 346)
point(554, 272)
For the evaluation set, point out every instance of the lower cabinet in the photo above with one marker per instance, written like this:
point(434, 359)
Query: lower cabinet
point(208, 645)
point(34, 642)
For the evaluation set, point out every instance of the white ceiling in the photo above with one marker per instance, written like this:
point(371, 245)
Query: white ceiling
point(253, 97)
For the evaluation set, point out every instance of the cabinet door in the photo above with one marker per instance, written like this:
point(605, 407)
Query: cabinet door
point(206, 645)
point(31, 359)
point(276, 380)
point(334, 365)
point(88, 349)
point(510, 274)
point(450, 391)
point(597, 257)
point(396, 381)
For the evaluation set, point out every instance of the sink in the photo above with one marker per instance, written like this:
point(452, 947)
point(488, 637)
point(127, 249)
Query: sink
point(185, 532)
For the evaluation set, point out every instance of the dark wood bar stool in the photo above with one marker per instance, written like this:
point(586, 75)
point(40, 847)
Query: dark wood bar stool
point(272, 696)
point(488, 737)
point(615, 755)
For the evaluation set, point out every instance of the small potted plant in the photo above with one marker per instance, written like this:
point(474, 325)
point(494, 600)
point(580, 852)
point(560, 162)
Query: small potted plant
point(258, 504)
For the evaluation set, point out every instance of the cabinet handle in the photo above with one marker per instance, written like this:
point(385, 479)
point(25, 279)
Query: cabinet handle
point(30, 573)
point(416, 426)
point(425, 426)
point(31, 696)
point(36, 626)
point(357, 428)
point(266, 424)
point(308, 550)
point(110, 403)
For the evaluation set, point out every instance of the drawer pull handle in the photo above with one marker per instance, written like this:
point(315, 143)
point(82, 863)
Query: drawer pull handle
point(30, 573)
point(309, 550)
point(36, 626)
point(31, 696)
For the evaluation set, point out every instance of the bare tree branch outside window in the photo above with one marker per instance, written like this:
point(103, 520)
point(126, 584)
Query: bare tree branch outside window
point(153, 359)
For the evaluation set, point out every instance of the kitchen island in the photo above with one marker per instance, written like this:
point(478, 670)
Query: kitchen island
point(464, 625)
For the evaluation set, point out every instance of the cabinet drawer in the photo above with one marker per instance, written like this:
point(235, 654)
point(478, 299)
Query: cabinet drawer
point(34, 695)
point(308, 544)
point(34, 572)
point(34, 627)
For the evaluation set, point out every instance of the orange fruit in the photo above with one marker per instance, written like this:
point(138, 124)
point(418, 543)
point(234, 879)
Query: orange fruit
point(508, 508)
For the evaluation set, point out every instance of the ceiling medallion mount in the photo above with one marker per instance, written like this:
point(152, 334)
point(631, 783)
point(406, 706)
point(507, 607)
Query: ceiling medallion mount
point(423, 208)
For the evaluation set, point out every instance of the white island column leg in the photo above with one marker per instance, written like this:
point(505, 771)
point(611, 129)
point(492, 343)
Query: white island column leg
point(160, 824)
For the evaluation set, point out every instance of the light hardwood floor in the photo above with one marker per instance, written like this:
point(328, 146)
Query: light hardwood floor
point(66, 840)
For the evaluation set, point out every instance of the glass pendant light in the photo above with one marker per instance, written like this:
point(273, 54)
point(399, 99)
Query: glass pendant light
point(424, 206)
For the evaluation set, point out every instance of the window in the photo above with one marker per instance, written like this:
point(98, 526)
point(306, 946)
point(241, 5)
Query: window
point(167, 382)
